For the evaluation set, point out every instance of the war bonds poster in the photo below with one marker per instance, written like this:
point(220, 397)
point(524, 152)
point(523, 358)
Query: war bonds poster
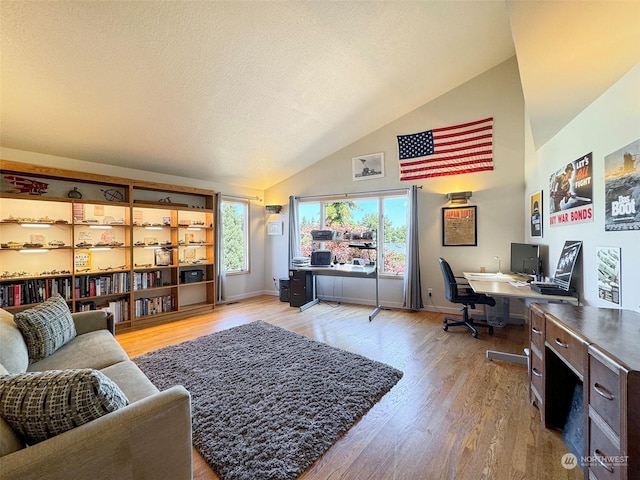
point(571, 193)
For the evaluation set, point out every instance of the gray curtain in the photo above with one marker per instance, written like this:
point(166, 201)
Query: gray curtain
point(221, 274)
point(294, 230)
point(412, 285)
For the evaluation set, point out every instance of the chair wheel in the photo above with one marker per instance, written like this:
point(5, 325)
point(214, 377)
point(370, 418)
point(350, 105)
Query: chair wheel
point(490, 330)
point(474, 334)
point(445, 327)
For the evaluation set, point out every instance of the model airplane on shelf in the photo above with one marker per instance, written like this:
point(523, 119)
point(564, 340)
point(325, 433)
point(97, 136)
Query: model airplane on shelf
point(26, 185)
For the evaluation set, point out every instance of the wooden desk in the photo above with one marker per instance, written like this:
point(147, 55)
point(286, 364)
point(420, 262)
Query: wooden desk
point(500, 285)
point(345, 270)
point(600, 349)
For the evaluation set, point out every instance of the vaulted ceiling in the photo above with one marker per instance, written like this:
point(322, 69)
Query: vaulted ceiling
point(251, 92)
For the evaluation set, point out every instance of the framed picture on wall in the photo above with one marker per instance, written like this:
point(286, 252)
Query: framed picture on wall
point(459, 226)
point(535, 214)
point(367, 167)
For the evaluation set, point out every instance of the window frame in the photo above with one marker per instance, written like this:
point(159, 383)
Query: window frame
point(380, 233)
point(246, 209)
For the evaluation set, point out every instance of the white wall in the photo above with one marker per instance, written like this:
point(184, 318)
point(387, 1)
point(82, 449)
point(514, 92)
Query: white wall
point(608, 124)
point(498, 194)
point(238, 286)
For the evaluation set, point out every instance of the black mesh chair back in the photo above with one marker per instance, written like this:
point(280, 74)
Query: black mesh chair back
point(461, 292)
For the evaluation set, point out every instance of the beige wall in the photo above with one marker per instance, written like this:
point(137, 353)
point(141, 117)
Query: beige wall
point(608, 124)
point(498, 194)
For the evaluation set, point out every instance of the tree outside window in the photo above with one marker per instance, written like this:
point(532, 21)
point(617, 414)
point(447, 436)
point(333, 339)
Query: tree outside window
point(235, 236)
point(356, 219)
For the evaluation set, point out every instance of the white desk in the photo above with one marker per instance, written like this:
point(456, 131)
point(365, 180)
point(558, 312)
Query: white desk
point(345, 270)
point(500, 285)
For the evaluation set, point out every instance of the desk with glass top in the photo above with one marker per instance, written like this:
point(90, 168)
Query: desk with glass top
point(506, 286)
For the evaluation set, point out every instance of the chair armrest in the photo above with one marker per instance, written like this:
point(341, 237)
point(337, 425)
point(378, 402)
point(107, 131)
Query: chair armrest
point(147, 440)
point(93, 320)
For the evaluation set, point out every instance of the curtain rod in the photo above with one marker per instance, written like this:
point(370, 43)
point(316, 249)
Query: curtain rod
point(359, 193)
point(244, 197)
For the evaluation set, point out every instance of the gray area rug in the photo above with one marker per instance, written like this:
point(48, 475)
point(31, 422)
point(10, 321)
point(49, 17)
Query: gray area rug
point(268, 402)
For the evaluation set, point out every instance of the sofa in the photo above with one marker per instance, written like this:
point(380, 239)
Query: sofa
point(147, 438)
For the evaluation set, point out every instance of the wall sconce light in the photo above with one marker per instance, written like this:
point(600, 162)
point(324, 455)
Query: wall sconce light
point(273, 208)
point(458, 197)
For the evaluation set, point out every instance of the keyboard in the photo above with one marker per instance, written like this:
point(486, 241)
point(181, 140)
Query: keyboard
point(550, 289)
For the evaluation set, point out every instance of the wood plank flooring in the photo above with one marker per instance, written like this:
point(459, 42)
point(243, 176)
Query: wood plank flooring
point(454, 414)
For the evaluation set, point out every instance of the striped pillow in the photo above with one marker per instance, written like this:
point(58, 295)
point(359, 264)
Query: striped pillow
point(41, 405)
point(46, 327)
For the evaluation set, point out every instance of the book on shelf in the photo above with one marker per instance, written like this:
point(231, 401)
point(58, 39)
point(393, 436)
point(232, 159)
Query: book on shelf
point(82, 261)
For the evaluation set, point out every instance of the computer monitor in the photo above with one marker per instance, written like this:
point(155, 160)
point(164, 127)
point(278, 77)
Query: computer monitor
point(321, 258)
point(525, 259)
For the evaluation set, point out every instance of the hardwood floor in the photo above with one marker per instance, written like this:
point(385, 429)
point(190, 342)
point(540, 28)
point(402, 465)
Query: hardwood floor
point(453, 415)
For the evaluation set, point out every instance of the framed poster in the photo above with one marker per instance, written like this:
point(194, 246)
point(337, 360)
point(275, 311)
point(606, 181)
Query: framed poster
point(367, 167)
point(571, 193)
point(609, 274)
point(459, 226)
point(535, 214)
point(622, 196)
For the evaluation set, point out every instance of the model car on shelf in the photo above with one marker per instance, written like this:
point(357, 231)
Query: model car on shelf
point(56, 243)
point(84, 245)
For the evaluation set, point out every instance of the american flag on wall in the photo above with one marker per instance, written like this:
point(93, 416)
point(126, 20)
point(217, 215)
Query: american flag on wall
point(452, 150)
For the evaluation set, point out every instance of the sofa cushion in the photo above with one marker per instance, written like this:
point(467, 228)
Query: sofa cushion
point(90, 350)
point(9, 441)
point(131, 380)
point(46, 327)
point(14, 355)
point(42, 405)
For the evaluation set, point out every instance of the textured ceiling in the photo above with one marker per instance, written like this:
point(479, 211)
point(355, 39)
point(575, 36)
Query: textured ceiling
point(249, 93)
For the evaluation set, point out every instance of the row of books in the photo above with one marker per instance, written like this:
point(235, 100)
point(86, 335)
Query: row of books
point(143, 280)
point(119, 309)
point(108, 284)
point(28, 292)
point(152, 306)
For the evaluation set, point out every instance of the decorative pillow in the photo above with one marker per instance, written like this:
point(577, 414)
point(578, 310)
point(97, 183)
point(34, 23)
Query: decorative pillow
point(46, 328)
point(41, 405)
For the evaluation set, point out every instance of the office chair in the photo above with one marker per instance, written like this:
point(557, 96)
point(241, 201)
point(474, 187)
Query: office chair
point(467, 297)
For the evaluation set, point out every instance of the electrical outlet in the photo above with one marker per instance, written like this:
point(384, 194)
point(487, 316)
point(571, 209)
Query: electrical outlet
point(430, 290)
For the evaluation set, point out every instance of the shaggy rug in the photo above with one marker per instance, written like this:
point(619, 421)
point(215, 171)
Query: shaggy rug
point(268, 402)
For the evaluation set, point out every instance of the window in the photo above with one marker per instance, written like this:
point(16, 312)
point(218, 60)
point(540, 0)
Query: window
point(235, 235)
point(381, 221)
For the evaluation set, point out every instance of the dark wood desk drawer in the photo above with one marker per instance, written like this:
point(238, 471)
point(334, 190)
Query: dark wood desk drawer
point(569, 347)
point(604, 458)
point(537, 375)
point(536, 326)
point(604, 392)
